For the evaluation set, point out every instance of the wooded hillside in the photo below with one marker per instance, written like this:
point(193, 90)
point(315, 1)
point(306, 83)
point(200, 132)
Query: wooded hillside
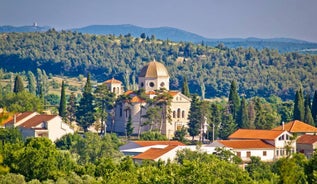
point(257, 72)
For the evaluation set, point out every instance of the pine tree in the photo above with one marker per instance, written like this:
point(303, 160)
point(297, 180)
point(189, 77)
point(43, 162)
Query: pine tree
point(314, 108)
point(18, 84)
point(31, 83)
point(308, 118)
point(185, 89)
point(194, 117)
point(243, 118)
point(299, 109)
point(62, 103)
point(85, 111)
point(234, 100)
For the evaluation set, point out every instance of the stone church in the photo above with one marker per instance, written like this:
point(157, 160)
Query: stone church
point(132, 107)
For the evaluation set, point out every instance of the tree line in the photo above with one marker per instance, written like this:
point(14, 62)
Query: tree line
point(90, 158)
point(209, 70)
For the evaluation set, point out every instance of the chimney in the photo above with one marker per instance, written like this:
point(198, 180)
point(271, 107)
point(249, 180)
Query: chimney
point(282, 125)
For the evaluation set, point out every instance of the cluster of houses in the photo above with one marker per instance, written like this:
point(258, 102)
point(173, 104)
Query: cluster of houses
point(269, 145)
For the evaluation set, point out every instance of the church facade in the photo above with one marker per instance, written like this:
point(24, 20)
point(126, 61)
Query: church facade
point(137, 107)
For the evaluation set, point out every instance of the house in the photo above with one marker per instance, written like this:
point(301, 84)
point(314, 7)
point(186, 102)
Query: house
point(136, 147)
point(154, 150)
point(33, 124)
point(244, 149)
point(280, 139)
point(297, 127)
point(153, 80)
point(306, 144)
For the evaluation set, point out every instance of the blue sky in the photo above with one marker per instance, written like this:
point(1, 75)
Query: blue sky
point(209, 18)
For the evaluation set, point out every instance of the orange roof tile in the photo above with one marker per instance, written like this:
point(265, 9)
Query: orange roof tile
point(112, 81)
point(128, 92)
point(36, 120)
point(245, 144)
point(152, 143)
point(150, 93)
point(307, 139)
point(173, 93)
point(136, 99)
point(154, 153)
point(297, 126)
point(255, 134)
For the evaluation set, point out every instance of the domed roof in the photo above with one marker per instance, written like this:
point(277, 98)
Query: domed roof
point(154, 69)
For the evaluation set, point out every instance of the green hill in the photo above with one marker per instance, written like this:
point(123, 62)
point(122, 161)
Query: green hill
point(258, 72)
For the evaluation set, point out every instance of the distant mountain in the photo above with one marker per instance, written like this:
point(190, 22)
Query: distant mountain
point(162, 33)
point(22, 29)
point(173, 34)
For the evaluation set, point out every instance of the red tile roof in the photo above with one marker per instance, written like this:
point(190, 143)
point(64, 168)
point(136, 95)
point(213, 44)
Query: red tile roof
point(128, 92)
point(154, 153)
point(307, 139)
point(36, 120)
point(112, 81)
point(297, 127)
point(245, 144)
point(152, 143)
point(255, 134)
point(19, 117)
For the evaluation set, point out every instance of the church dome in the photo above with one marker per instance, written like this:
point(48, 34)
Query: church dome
point(154, 70)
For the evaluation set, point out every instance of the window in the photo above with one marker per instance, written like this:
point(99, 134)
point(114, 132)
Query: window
point(142, 84)
point(120, 111)
point(264, 153)
point(239, 154)
point(114, 90)
point(162, 84)
point(151, 84)
point(174, 114)
point(248, 154)
point(183, 114)
point(178, 113)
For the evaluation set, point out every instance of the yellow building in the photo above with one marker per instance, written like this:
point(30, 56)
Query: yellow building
point(153, 82)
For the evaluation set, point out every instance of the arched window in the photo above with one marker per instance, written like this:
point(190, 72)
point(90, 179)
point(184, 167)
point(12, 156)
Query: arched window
point(174, 114)
point(183, 114)
point(178, 113)
point(114, 90)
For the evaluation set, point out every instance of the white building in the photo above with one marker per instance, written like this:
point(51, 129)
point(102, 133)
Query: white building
point(33, 124)
point(280, 139)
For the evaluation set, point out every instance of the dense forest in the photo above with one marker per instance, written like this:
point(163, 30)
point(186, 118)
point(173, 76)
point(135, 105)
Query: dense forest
point(211, 69)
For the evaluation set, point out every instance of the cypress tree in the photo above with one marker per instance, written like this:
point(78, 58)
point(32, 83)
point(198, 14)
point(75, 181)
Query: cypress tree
point(299, 109)
point(314, 108)
point(185, 89)
point(31, 83)
point(243, 118)
point(308, 118)
point(62, 103)
point(228, 126)
point(194, 117)
point(71, 108)
point(234, 100)
point(85, 114)
point(18, 84)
